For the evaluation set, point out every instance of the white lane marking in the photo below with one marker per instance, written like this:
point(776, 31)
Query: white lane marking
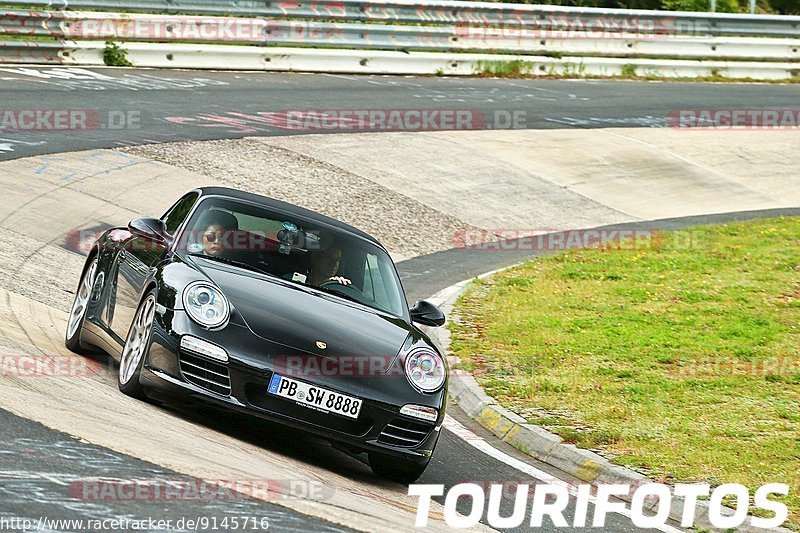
point(7, 145)
point(458, 429)
point(342, 76)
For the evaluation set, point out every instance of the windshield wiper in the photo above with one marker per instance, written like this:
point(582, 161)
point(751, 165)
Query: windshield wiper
point(233, 262)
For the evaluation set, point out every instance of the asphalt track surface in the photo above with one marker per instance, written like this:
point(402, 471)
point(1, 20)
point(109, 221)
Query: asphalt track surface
point(133, 106)
point(45, 474)
point(181, 105)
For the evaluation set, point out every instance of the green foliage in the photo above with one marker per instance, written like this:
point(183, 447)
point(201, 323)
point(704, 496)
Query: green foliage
point(114, 56)
point(628, 71)
point(573, 70)
point(723, 6)
point(503, 69)
point(784, 7)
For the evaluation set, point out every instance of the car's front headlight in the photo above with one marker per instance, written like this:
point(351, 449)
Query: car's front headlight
point(425, 370)
point(206, 304)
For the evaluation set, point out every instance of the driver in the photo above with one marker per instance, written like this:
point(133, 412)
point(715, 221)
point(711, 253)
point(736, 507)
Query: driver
point(324, 266)
point(216, 227)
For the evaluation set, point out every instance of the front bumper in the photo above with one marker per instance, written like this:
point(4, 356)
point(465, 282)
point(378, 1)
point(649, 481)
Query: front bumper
point(169, 370)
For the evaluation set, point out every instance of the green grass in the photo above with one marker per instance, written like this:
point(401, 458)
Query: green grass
point(680, 356)
point(503, 69)
point(567, 70)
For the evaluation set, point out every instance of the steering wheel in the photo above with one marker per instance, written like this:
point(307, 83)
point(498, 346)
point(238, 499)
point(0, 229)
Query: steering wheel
point(347, 290)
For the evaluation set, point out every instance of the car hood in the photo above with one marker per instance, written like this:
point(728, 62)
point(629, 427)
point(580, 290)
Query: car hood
point(299, 317)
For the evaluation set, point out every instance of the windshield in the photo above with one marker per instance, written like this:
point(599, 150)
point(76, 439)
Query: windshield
point(295, 250)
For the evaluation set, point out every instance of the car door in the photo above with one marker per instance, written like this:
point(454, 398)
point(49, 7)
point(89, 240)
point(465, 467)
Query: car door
point(137, 258)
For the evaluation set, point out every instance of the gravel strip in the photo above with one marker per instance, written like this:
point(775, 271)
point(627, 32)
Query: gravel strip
point(406, 227)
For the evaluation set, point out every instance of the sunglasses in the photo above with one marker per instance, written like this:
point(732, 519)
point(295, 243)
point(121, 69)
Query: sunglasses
point(212, 237)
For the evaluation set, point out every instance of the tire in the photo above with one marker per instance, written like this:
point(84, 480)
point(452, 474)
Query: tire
point(134, 353)
point(77, 314)
point(396, 469)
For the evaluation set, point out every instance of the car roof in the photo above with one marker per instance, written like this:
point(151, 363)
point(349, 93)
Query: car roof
point(289, 209)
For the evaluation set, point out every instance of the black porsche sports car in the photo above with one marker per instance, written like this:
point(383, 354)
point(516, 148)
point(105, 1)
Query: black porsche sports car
point(266, 308)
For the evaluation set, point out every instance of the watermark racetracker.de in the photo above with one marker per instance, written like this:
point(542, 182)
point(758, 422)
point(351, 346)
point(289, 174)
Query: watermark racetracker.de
point(731, 366)
point(48, 366)
point(554, 239)
point(477, 239)
point(208, 490)
point(512, 25)
point(740, 118)
point(522, 27)
point(51, 119)
point(357, 120)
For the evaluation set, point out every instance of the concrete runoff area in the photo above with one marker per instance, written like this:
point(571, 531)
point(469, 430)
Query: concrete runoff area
point(571, 178)
point(574, 179)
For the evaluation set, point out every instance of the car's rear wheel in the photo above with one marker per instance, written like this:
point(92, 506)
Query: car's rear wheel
point(136, 346)
point(77, 314)
point(396, 469)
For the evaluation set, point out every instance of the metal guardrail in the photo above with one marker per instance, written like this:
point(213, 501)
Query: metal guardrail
point(18, 51)
point(441, 38)
point(222, 57)
point(458, 12)
point(606, 42)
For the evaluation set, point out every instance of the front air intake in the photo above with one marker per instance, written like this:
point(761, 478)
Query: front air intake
point(404, 432)
point(205, 373)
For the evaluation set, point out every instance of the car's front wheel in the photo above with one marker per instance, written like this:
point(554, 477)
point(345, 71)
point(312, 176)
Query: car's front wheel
point(77, 314)
point(396, 469)
point(136, 347)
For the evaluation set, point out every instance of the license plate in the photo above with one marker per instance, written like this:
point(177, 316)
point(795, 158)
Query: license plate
point(314, 397)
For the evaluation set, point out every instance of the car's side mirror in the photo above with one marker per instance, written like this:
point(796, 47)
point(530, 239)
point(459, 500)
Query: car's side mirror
point(426, 313)
point(149, 228)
